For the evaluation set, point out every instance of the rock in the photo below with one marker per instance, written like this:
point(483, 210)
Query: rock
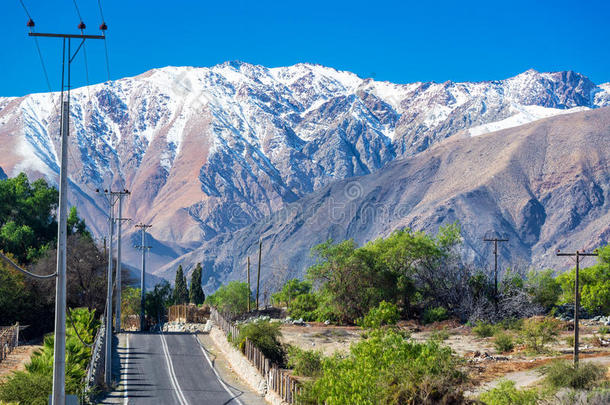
point(327, 322)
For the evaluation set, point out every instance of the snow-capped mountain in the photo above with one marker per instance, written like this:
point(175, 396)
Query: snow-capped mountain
point(209, 150)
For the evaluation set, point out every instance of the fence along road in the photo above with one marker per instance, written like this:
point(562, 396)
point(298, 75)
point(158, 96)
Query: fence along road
point(168, 368)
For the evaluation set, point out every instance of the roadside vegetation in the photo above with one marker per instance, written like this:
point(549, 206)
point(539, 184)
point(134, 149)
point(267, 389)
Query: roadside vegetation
point(33, 386)
point(414, 277)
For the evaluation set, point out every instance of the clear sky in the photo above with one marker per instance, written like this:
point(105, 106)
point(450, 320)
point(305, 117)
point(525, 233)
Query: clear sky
point(399, 41)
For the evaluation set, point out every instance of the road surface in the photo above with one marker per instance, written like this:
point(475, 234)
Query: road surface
point(168, 368)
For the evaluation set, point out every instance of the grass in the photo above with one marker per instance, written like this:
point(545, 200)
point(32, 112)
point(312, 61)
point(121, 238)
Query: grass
point(563, 374)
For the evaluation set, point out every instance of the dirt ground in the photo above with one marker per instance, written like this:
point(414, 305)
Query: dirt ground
point(317, 336)
point(17, 360)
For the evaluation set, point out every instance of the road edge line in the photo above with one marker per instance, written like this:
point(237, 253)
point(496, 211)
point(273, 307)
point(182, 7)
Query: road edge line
point(216, 372)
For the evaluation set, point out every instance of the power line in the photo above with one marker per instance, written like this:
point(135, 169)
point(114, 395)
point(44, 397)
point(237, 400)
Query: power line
point(16, 267)
point(31, 25)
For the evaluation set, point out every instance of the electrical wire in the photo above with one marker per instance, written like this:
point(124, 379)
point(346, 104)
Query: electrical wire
point(44, 68)
point(16, 267)
point(25, 9)
point(77, 10)
point(99, 4)
point(75, 330)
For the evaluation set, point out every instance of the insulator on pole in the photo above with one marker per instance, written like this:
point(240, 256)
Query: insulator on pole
point(82, 26)
point(31, 23)
point(103, 26)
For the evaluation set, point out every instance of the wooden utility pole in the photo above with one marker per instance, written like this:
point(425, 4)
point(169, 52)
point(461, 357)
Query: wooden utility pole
point(578, 255)
point(258, 276)
point(495, 241)
point(249, 284)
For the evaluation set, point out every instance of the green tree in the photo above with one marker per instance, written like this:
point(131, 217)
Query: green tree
point(27, 222)
point(291, 290)
point(181, 292)
point(158, 300)
point(196, 294)
point(231, 298)
point(543, 287)
point(594, 284)
point(130, 303)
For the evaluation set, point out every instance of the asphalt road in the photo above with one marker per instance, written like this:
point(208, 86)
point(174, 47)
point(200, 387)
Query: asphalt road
point(168, 368)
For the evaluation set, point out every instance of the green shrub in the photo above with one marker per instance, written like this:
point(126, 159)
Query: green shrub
point(27, 388)
point(440, 335)
point(484, 329)
point(603, 330)
point(538, 332)
point(507, 394)
point(303, 306)
point(384, 314)
point(437, 314)
point(265, 336)
point(504, 342)
point(306, 363)
point(38, 374)
point(563, 374)
point(388, 369)
point(569, 340)
point(514, 324)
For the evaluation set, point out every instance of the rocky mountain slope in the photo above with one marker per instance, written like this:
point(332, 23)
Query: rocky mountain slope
point(206, 151)
point(545, 185)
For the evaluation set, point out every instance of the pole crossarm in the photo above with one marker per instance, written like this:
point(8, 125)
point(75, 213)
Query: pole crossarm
point(80, 36)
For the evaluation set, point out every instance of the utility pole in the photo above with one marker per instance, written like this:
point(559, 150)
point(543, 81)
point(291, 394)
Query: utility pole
point(258, 277)
point(58, 396)
point(249, 284)
point(144, 248)
point(495, 241)
point(112, 197)
point(578, 255)
point(119, 220)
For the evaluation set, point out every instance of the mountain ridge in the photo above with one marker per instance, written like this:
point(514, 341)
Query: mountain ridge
point(208, 151)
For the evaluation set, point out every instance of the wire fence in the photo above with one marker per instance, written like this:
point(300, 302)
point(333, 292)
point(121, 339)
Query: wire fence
point(9, 339)
point(95, 369)
point(278, 380)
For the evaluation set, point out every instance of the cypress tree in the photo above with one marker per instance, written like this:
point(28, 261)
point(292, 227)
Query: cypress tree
point(181, 294)
point(196, 294)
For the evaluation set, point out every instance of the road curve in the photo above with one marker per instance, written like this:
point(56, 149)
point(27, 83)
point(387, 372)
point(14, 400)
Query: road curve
point(168, 368)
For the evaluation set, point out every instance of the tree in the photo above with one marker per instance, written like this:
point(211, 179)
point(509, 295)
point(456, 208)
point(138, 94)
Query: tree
point(27, 217)
point(181, 293)
point(594, 284)
point(130, 303)
point(231, 298)
point(158, 300)
point(196, 294)
point(292, 289)
point(543, 287)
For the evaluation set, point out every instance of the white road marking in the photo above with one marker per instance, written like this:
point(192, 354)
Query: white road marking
point(125, 396)
point(172, 373)
point(216, 373)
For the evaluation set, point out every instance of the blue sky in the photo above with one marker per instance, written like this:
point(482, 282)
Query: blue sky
point(399, 41)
